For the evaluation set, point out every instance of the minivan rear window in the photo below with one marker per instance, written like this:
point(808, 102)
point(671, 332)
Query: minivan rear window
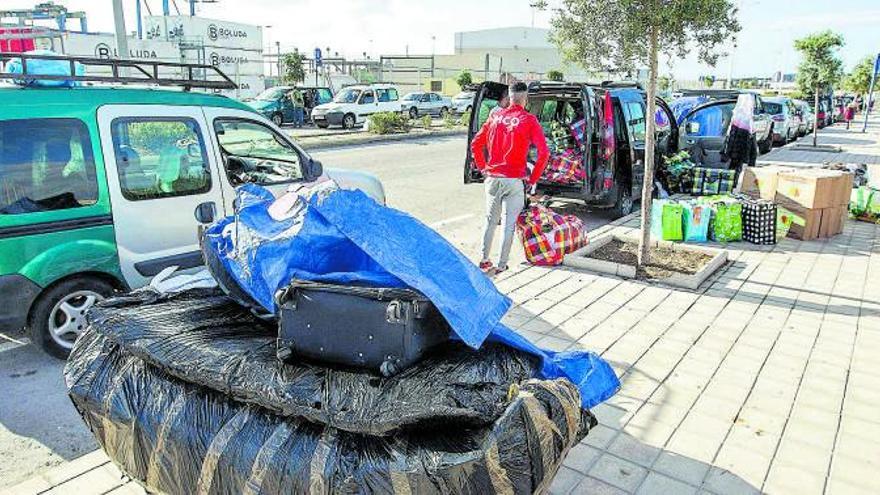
point(772, 108)
point(45, 165)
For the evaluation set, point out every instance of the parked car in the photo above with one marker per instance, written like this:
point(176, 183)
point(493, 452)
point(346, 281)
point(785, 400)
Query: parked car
point(353, 104)
point(703, 129)
point(786, 119)
point(418, 103)
point(613, 177)
point(762, 121)
point(463, 102)
point(825, 114)
point(275, 104)
point(808, 118)
point(101, 188)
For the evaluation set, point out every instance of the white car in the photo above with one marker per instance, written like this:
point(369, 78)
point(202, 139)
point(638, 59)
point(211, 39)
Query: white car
point(353, 104)
point(418, 103)
point(463, 102)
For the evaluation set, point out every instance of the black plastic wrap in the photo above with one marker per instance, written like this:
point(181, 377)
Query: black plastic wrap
point(204, 338)
point(181, 438)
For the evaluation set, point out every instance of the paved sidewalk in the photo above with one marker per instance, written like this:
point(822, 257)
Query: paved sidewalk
point(856, 147)
point(763, 380)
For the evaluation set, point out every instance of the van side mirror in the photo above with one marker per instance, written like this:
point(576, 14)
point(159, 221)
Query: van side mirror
point(313, 170)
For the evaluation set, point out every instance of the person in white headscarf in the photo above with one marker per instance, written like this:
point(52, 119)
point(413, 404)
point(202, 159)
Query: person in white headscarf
point(740, 146)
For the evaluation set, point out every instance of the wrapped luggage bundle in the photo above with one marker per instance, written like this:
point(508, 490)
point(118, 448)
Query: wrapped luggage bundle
point(183, 417)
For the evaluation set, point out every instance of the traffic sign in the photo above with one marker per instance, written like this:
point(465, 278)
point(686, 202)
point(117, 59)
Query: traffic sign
point(318, 61)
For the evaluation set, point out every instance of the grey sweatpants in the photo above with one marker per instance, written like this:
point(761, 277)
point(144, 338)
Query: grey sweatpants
point(508, 194)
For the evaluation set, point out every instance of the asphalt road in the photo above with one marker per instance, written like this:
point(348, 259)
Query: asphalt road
point(39, 427)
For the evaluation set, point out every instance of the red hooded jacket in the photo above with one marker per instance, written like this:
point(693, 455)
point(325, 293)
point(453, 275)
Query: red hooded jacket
point(507, 134)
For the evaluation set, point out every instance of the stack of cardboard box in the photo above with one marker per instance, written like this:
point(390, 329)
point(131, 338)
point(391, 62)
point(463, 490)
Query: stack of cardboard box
point(816, 199)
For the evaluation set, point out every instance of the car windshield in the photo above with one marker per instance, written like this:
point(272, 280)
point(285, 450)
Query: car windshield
point(772, 107)
point(272, 94)
point(411, 96)
point(347, 96)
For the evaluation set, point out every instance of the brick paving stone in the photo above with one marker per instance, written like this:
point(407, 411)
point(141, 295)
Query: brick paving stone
point(592, 486)
point(657, 483)
point(565, 481)
point(724, 482)
point(618, 472)
point(581, 458)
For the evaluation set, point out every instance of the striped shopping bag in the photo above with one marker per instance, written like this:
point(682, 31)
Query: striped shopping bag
point(548, 236)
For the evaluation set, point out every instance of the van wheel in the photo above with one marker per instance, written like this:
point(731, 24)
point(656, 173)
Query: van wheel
point(58, 316)
point(323, 125)
point(766, 145)
point(444, 112)
point(468, 109)
point(278, 119)
point(413, 113)
point(348, 121)
point(623, 206)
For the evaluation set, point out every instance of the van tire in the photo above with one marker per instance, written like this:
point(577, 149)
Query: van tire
point(413, 113)
point(278, 119)
point(323, 125)
point(444, 112)
point(348, 121)
point(623, 204)
point(766, 145)
point(45, 308)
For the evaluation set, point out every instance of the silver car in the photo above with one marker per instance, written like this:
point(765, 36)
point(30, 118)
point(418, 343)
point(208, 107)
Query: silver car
point(463, 102)
point(418, 103)
point(786, 119)
point(807, 116)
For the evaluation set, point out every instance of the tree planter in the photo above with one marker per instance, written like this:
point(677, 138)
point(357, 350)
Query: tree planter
point(824, 148)
point(586, 259)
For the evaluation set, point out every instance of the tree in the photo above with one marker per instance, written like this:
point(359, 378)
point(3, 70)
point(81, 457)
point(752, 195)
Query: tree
point(464, 79)
point(292, 68)
point(709, 81)
point(820, 67)
point(664, 83)
point(620, 35)
point(859, 80)
point(555, 75)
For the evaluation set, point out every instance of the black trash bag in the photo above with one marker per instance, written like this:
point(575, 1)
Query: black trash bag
point(202, 337)
point(180, 438)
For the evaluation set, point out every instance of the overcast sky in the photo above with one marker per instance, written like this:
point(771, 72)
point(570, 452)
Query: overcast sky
point(390, 26)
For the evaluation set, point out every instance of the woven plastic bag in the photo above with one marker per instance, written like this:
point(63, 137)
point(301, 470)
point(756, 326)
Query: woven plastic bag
point(695, 222)
point(666, 220)
point(548, 236)
point(727, 225)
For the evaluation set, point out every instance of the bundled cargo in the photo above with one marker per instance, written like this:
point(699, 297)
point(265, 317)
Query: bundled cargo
point(133, 387)
point(566, 165)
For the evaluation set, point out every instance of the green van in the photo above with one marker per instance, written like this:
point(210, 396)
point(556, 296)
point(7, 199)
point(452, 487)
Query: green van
point(101, 188)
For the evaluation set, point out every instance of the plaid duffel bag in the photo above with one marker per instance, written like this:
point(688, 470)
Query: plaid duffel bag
point(548, 236)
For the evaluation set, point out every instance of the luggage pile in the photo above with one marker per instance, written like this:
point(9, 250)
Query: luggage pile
point(679, 175)
point(364, 370)
point(566, 163)
point(776, 202)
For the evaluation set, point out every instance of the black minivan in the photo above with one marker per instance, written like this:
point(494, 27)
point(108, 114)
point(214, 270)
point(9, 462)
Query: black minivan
point(613, 174)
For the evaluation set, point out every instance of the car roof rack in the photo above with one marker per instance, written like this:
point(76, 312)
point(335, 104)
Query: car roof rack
point(123, 71)
point(621, 84)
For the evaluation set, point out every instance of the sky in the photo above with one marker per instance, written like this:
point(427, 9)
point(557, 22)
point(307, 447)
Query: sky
point(352, 27)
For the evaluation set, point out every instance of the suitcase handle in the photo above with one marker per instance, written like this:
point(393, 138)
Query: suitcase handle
point(377, 293)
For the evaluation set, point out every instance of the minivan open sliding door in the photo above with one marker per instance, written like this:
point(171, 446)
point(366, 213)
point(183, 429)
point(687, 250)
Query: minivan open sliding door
point(486, 98)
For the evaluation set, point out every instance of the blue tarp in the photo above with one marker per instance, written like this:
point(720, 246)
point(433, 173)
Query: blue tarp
point(346, 237)
point(44, 68)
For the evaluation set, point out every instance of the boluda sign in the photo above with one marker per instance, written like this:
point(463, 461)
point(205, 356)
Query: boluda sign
point(104, 46)
point(211, 32)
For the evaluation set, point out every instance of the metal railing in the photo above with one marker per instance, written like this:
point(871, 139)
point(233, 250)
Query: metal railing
point(124, 71)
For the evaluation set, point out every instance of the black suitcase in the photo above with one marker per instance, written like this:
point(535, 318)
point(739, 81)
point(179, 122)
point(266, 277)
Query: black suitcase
point(381, 329)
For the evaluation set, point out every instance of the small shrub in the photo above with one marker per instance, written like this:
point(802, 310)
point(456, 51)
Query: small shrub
point(425, 121)
point(388, 123)
point(449, 121)
point(465, 118)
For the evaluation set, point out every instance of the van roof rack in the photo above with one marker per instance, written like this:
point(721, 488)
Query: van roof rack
point(139, 72)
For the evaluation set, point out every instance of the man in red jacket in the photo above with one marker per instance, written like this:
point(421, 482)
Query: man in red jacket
point(507, 136)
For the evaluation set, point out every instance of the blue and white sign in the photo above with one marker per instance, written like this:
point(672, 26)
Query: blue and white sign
point(318, 61)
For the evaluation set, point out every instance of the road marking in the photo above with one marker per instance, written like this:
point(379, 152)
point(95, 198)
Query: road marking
point(441, 223)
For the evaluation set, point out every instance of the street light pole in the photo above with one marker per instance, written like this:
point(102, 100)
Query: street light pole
point(871, 91)
point(121, 38)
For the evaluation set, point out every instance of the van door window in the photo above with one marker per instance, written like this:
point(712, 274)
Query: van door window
point(384, 97)
point(367, 98)
point(45, 164)
point(392, 94)
point(254, 153)
point(636, 120)
point(160, 157)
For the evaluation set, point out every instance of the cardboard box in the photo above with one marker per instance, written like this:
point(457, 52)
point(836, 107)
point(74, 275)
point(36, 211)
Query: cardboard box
point(832, 222)
point(812, 188)
point(760, 182)
point(845, 189)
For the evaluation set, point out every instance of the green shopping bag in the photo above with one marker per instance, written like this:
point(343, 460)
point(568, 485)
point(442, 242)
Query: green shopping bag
point(784, 219)
point(666, 218)
point(726, 225)
point(864, 202)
